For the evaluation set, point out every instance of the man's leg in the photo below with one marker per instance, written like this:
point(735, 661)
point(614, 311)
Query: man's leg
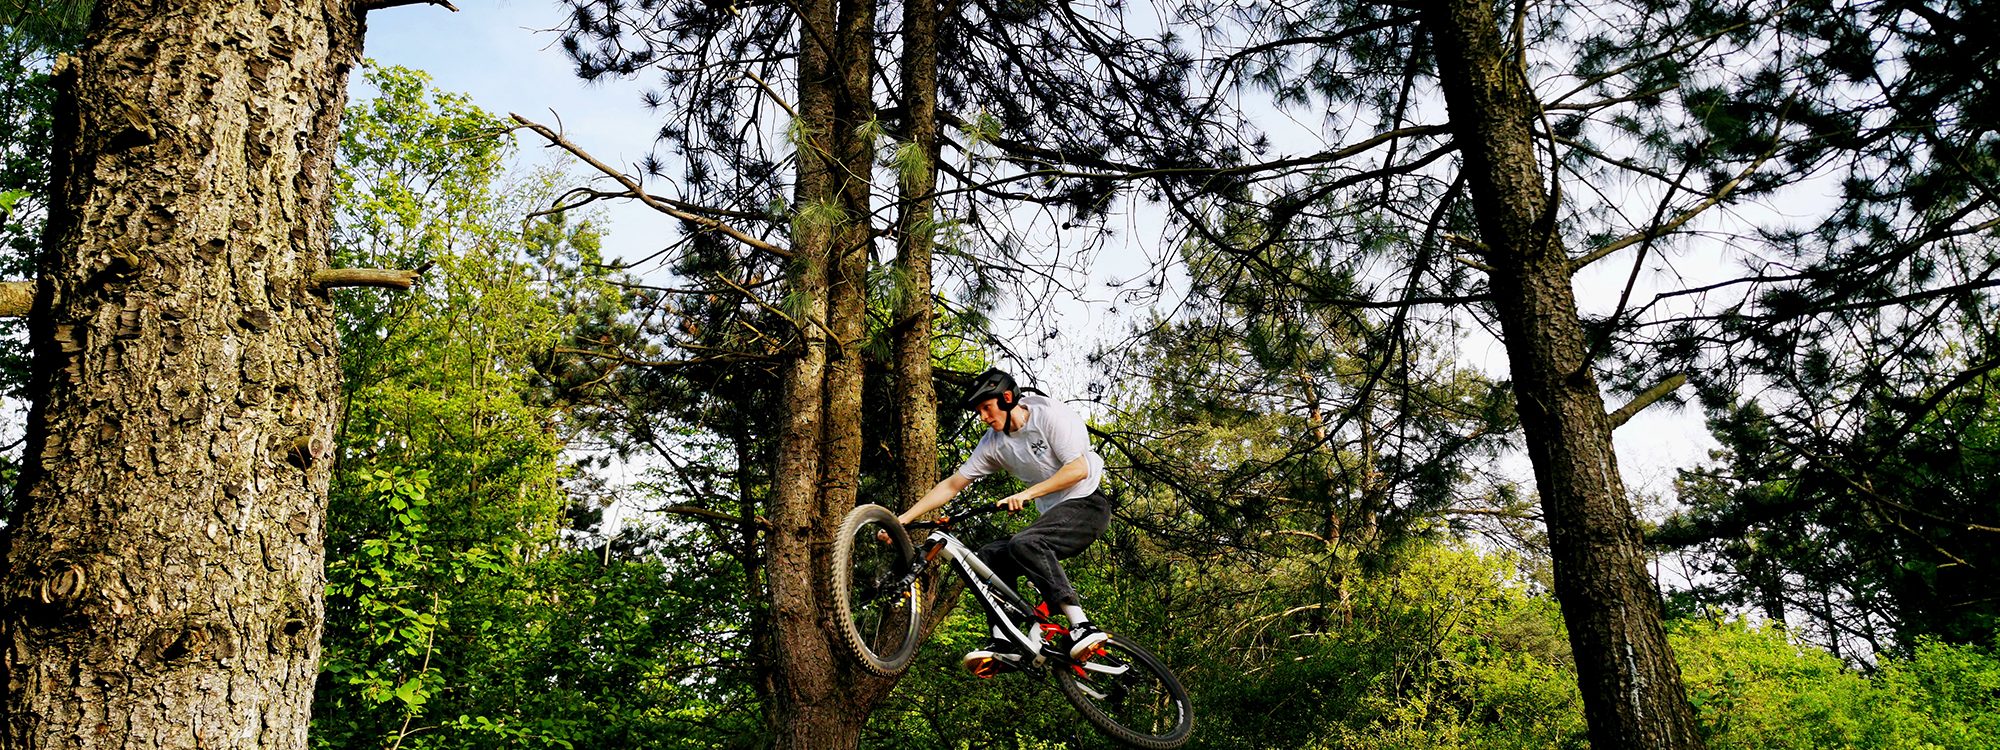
point(998, 654)
point(997, 557)
point(1065, 531)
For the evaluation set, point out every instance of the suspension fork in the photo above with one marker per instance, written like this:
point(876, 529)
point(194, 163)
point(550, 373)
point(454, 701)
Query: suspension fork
point(922, 562)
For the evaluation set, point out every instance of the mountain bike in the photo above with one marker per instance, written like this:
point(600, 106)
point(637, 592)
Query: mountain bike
point(878, 599)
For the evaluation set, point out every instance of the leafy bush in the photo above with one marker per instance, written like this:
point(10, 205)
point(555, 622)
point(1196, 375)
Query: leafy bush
point(1756, 686)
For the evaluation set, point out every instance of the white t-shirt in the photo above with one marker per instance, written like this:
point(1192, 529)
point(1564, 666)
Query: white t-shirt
point(1054, 436)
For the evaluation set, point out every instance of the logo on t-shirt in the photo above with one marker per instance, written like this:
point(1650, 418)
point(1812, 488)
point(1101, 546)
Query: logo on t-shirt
point(1039, 447)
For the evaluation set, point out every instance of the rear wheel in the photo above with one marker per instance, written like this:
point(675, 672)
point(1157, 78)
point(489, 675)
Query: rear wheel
point(1129, 694)
point(876, 596)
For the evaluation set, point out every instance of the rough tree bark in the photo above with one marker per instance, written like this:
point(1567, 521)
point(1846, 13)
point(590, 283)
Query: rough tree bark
point(163, 569)
point(809, 711)
point(824, 698)
point(916, 395)
point(1632, 692)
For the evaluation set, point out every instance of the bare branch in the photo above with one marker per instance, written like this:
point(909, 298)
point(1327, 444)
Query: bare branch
point(773, 93)
point(1661, 230)
point(1955, 289)
point(17, 298)
point(1646, 398)
point(657, 363)
point(767, 306)
point(1049, 156)
point(381, 278)
point(1519, 515)
point(1602, 103)
point(373, 5)
point(658, 204)
point(1326, 40)
point(715, 515)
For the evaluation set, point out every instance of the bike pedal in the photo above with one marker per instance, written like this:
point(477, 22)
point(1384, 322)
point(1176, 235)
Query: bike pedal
point(984, 669)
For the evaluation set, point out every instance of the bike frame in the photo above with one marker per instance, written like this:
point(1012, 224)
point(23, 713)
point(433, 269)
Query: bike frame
point(1005, 605)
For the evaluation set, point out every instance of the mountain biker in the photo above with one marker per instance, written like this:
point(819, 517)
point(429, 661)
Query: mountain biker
point(1043, 442)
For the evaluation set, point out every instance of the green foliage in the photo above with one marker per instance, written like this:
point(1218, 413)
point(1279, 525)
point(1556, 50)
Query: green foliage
point(386, 584)
point(983, 128)
point(815, 217)
point(1448, 648)
point(1757, 686)
point(910, 162)
point(1444, 649)
point(458, 614)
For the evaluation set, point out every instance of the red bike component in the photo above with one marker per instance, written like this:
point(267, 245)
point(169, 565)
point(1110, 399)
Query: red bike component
point(1050, 630)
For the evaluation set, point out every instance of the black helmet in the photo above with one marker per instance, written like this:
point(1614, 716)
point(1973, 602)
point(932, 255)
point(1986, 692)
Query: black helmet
point(993, 383)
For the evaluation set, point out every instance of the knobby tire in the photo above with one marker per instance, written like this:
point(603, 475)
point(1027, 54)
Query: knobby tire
point(1148, 680)
point(878, 626)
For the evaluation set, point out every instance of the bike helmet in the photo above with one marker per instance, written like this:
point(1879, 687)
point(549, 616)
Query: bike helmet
point(993, 383)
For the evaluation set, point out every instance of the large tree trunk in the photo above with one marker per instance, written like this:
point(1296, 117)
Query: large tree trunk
point(813, 709)
point(163, 569)
point(824, 697)
point(1632, 690)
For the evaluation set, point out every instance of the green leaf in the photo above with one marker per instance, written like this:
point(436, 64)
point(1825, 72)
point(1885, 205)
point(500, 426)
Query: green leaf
point(412, 693)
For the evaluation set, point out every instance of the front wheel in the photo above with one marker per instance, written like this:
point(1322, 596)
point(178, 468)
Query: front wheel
point(1129, 694)
point(876, 590)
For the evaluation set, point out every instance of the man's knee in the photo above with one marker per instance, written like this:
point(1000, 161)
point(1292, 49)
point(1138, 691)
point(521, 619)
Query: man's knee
point(1027, 547)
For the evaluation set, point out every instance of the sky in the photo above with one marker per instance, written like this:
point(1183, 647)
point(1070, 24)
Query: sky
point(502, 54)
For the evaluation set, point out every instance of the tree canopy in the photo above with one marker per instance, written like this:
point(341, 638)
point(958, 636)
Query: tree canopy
point(571, 500)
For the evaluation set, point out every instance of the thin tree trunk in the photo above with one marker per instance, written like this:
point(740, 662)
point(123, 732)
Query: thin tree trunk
point(854, 111)
point(1631, 686)
point(916, 395)
point(164, 565)
point(755, 589)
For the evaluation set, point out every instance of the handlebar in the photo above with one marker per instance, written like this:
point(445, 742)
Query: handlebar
point(946, 520)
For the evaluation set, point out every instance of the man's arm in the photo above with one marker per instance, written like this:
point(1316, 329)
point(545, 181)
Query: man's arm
point(1064, 478)
point(945, 490)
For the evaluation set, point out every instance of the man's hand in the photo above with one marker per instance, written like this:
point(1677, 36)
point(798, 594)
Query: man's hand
point(1017, 500)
